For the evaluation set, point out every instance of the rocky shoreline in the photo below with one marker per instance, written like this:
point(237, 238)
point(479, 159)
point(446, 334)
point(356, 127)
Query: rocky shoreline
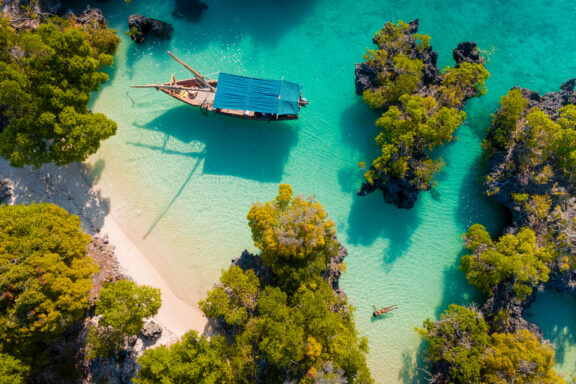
point(505, 179)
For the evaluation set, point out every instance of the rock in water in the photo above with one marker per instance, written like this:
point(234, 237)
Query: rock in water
point(467, 52)
point(189, 10)
point(141, 26)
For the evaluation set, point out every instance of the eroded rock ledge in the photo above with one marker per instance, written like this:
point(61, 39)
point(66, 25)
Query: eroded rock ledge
point(141, 27)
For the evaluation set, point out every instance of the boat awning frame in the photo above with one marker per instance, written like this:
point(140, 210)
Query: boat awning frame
point(242, 93)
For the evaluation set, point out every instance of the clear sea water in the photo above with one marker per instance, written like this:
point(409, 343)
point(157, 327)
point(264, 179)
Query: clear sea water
point(182, 183)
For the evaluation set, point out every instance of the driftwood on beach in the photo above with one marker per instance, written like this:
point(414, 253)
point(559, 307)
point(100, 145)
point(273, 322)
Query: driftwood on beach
point(381, 311)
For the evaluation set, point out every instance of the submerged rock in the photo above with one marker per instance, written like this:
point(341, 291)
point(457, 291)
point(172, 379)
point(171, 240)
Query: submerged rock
point(140, 27)
point(190, 10)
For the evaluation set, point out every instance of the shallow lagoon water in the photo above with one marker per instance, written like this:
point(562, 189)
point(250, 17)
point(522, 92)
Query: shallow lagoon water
point(181, 183)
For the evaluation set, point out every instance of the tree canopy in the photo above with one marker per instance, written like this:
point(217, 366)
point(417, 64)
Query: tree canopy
point(294, 236)
point(123, 306)
point(12, 371)
point(461, 341)
point(46, 274)
point(516, 257)
point(422, 108)
point(46, 76)
point(291, 328)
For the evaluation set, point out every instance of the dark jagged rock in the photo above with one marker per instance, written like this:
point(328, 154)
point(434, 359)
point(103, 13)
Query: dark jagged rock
point(6, 191)
point(395, 191)
point(503, 300)
point(467, 52)
point(365, 76)
point(140, 27)
point(151, 330)
point(254, 262)
point(91, 16)
point(190, 10)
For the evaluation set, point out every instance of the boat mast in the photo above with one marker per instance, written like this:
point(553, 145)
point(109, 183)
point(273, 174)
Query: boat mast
point(197, 74)
point(171, 87)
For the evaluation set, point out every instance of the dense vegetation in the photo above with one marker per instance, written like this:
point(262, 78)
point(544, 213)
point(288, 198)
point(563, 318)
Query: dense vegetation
point(538, 171)
point(531, 148)
point(280, 321)
point(46, 76)
point(462, 344)
point(46, 277)
point(122, 306)
point(516, 257)
point(422, 108)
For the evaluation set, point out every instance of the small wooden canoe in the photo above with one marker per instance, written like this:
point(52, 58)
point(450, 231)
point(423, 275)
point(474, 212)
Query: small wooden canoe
point(237, 96)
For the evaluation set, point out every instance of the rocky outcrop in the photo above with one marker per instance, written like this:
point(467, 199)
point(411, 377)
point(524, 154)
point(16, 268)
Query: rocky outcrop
point(403, 191)
point(467, 52)
point(25, 14)
point(141, 27)
point(367, 77)
point(399, 192)
point(509, 175)
point(151, 330)
point(504, 301)
point(190, 10)
point(6, 191)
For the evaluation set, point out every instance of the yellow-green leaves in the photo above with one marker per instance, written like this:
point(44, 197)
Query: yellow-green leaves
point(46, 274)
point(461, 341)
point(294, 235)
point(514, 257)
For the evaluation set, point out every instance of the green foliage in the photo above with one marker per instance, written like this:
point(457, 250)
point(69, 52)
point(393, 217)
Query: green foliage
point(414, 125)
point(516, 257)
point(12, 371)
point(123, 305)
point(405, 77)
point(194, 359)
point(291, 329)
point(294, 236)
point(461, 340)
point(46, 273)
point(512, 106)
point(234, 298)
point(462, 82)
point(408, 133)
point(519, 358)
point(46, 77)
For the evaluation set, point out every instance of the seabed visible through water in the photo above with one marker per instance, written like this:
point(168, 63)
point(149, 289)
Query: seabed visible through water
point(181, 183)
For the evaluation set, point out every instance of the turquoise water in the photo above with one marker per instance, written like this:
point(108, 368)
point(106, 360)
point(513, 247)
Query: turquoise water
point(181, 183)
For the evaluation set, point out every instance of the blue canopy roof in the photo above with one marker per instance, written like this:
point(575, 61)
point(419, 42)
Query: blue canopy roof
point(250, 94)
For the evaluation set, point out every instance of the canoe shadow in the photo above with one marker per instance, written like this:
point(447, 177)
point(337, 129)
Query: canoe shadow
point(247, 149)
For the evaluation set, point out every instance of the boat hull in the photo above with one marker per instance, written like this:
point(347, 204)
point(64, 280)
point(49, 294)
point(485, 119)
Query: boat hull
point(198, 95)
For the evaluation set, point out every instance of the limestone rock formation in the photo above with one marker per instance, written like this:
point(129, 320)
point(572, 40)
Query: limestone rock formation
point(141, 27)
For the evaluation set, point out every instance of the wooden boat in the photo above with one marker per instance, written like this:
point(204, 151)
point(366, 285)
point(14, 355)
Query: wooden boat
point(381, 311)
point(238, 96)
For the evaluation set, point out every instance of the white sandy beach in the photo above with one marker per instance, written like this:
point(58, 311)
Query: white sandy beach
point(69, 188)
